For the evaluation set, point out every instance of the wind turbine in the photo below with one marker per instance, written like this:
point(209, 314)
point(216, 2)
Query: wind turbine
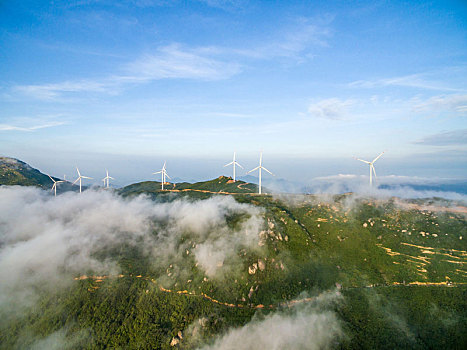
point(372, 167)
point(107, 178)
point(233, 163)
point(79, 179)
point(164, 175)
point(260, 167)
point(54, 186)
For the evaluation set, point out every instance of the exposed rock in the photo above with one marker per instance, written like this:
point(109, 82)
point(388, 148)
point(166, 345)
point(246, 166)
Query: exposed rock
point(252, 269)
point(270, 224)
point(174, 341)
point(261, 265)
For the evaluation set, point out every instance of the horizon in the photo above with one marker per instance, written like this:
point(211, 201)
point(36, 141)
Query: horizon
point(128, 86)
point(407, 187)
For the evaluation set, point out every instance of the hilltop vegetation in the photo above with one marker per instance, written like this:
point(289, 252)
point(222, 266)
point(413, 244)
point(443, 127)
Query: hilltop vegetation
point(191, 268)
point(16, 172)
point(205, 189)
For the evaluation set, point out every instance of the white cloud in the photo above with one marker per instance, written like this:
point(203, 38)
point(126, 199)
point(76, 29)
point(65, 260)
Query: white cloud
point(310, 326)
point(45, 241)
point(52, 91)
point(386, 186)
point(456, 103)
point(175, 62)
point(7, 127)
point(169, 62)
point(448, 138)
point(331, 108)
point(413, 81)
point(205, 63)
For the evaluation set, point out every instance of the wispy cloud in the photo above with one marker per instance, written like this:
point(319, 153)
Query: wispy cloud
point(52, 91)
point(226, 4)
point(204, 63)
point(7, 127)
point(413, 81)
point(448, 138)
point(176, 62)
point(169, 62)
point(456, 103)
point(331, 108)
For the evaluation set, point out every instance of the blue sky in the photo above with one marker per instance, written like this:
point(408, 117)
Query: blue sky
point(126, 85)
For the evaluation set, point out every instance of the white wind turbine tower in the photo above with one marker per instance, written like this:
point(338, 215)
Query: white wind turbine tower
point(260, 167)
point(164, 174)
point(372, 167)
point(54, 186)
point(233, 163)
point(79, 179)
point(106, 179)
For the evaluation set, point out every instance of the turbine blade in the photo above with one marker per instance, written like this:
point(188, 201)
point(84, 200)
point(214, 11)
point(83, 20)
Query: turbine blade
point(239, 165)
point(110, 177)
point(86, 177)
point(157, 172)
point(253, 170)
point(374, 160)
point(374, 171)
point(168, 176)
point(76, 180)
point(51, 178)
point(229, 164)
point(268, 171)
point(78, 171)
point(364, 161)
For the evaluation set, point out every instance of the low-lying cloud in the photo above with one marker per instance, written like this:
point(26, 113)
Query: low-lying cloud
point(309, 326)
point(389, 186)
point(45, 241)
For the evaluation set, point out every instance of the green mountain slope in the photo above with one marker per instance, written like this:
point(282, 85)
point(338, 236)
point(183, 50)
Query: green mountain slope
point(395, 272)
point(222, 184)
point(16, 172)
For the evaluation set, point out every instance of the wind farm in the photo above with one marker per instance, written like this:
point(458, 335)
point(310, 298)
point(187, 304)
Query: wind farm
point(175, 233)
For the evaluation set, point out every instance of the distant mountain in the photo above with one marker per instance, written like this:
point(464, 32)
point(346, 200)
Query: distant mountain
point(16, 172)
